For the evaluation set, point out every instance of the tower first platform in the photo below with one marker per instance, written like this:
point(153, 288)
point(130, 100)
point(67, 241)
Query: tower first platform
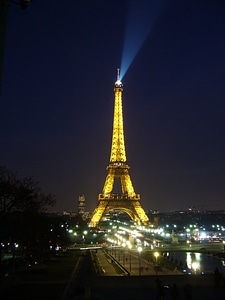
point(127, 201)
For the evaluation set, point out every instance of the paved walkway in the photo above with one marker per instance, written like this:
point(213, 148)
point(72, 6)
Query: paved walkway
point(134, 264)
point(106, 264)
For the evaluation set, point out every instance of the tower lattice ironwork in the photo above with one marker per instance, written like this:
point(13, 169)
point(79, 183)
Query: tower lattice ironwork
point(127, 201)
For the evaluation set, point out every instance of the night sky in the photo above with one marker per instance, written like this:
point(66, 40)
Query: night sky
point(57, 100)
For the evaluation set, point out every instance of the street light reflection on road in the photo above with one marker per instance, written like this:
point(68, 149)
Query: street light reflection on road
point(195, 266)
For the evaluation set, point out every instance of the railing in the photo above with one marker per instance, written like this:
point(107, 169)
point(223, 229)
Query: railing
point(119, 197)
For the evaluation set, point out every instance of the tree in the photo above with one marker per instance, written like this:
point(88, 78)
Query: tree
point(24, 195)
point(22, 202)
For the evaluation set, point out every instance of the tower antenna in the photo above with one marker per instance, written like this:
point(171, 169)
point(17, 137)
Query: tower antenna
point(118, 74)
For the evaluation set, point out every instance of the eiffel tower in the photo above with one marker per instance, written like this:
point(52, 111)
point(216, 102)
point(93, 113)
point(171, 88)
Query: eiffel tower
point(127, 201)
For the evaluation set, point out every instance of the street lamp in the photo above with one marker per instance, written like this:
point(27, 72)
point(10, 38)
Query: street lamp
point(139, 258)
point(189, 243)
point(118, 248)
point(130, 256)
point(156, 254)
point(123, 247)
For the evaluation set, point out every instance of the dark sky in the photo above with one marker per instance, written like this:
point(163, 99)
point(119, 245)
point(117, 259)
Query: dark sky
point(57, 101)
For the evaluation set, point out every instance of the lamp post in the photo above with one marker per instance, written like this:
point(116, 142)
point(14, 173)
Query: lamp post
point(123, 247)
point(119, 250)
point(156, 254)
point(130, 256)
point(139, 259)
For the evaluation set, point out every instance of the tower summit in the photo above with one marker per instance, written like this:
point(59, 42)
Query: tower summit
point(127, 201)
point(118, 153)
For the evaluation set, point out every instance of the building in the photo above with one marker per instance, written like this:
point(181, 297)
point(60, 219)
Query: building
point(81, 204)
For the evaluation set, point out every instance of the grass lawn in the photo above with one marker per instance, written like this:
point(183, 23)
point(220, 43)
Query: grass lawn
point(44, 281)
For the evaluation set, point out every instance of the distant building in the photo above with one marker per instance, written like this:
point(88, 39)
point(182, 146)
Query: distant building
point(81, 204)
point(69, 213)
point(66, 213)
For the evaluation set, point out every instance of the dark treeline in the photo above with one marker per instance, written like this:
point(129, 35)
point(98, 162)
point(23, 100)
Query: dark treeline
point(26, 227)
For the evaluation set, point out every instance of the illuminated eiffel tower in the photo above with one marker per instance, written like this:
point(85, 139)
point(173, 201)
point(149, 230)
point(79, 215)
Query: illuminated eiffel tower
point(127, 201)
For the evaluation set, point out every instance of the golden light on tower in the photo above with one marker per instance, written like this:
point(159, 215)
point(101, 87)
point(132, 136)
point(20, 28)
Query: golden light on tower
point(128, 201)
point(118, 153)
